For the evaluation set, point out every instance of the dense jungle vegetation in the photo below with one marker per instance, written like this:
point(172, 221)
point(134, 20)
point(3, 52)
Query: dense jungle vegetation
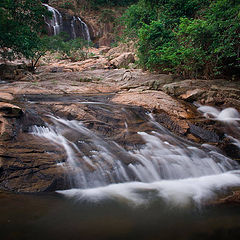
point(193, 38)
point(188, 37)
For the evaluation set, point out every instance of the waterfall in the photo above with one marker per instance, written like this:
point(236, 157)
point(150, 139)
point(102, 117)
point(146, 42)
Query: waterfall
point(85, 30)
point(73, 32)
point(55, 24)
point(168, 166)
point(74, 26)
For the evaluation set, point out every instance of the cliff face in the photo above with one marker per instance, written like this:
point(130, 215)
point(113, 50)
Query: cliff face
point(102, 22)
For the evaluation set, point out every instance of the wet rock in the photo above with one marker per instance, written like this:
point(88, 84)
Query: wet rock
point(231, 149)
point(173, 124)
point(10, 110)
point(7, 129)
point(234, 198)
point(156, 100)
point(204, 134)
point(171, 113)
point(72, 111)
point(31, 166)
point(192, 95)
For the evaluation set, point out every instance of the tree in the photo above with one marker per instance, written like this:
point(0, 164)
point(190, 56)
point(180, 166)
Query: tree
point(194, 38)
point(21, 25)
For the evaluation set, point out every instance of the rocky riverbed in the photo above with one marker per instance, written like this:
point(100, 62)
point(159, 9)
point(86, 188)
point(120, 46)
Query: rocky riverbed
point(28, 164)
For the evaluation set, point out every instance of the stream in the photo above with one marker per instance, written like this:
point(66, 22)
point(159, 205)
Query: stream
point(128, 178)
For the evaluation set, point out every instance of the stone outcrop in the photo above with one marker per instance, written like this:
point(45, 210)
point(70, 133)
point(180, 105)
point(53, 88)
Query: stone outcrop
point(30, 165)
point(123, 60)
point(172, 114)
point(210, 92)
point(9, 114)
point(9, 110)
point(26, 164)
point(6, 96)
point(233, 198)
point(10, 72)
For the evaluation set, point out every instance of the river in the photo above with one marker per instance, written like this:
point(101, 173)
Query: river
point(128, 178)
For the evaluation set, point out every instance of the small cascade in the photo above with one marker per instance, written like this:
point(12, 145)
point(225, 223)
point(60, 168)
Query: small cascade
point(55, 24)
point(228, 115)
point(73, 32)
point(168, 166)
point(74, 26)
point(85, 30)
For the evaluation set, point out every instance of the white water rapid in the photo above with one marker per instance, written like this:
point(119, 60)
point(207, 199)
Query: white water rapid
point(228, 115)
point(165, 167)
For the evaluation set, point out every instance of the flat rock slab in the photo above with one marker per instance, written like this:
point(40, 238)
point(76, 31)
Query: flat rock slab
point(218, 92)
point(173, 114)
point(6, 96)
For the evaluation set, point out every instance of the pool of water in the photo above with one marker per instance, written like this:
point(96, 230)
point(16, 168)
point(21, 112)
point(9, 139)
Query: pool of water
point(130, 178)
point(53, 216)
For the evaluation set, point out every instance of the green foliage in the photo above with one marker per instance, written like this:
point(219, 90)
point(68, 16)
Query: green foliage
point(107, 15)
point(72, 49)
point(96, 4)
point(67, 5)
point(167, 11)
point(150, 38)
point(112, 2)
point(136, 16)
point(21, 23)
point(189, 37)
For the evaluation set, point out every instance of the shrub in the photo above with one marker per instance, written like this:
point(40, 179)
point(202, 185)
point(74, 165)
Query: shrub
point(68, 5)
point(72, 49)
point(193, 38)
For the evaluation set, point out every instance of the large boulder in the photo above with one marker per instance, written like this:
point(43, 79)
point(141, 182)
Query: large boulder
point(171, 113)
point(123, 60)
point(12, 72)
point(9, 110)
point(217, 92)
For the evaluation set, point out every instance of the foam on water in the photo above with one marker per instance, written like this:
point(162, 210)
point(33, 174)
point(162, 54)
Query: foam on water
point(165, 167)
point(161, 157)
point(177, 192)
point(228, 115)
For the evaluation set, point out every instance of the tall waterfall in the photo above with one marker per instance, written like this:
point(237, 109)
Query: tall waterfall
point(72, 25)
point(166, 165)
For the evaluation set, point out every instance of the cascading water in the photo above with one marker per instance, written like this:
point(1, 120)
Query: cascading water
point(55, 24)
point(166, 166)
point(74, 26)
point(85, 29)
point(228, 115)
point(73, 32)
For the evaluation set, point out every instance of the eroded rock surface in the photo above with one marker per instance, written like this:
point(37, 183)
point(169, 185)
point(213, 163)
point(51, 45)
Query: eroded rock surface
point(28, 164)
point(123, 60)
point(218, 92)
